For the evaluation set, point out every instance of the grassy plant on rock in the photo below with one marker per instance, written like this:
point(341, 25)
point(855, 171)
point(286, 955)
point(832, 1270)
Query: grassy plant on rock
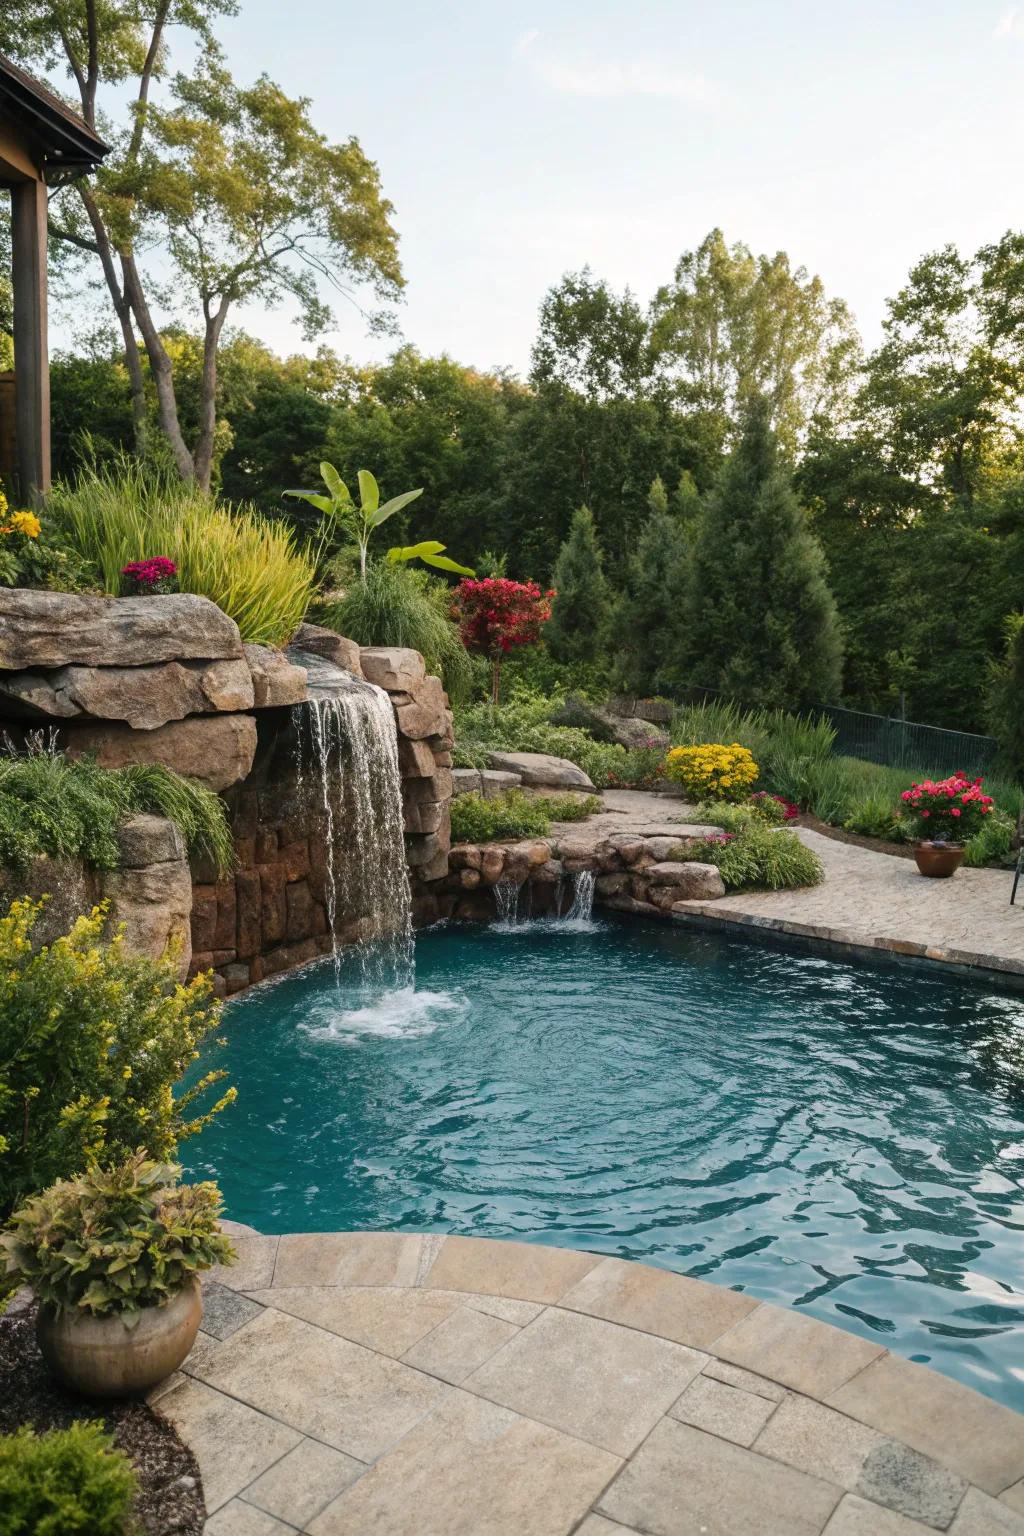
point(514, 814)
point(397, 606)
point(71, 808)
point(250, 567)
point(758, 856)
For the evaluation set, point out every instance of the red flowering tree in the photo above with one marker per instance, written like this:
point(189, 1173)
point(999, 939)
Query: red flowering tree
point(495, 614)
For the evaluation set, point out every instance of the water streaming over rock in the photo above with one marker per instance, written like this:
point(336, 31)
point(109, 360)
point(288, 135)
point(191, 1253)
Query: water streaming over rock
point(347, 749)
point(583, 885)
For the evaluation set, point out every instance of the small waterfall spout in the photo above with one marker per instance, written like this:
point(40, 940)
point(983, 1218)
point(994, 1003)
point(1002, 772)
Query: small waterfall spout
point(582, 909)
point(506, 902)
point(348, 774)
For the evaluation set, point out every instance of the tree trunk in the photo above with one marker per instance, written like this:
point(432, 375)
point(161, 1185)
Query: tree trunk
point(203, 459)
point(133, 362)
point(160, 365)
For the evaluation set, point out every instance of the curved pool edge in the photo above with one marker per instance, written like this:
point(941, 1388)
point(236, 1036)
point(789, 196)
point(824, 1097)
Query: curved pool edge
point(351, 1380)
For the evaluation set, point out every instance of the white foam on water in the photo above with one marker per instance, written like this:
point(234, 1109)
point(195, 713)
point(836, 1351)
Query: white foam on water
point(401, 1014)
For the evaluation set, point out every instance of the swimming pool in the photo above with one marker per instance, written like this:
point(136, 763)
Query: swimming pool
point(835, 1137)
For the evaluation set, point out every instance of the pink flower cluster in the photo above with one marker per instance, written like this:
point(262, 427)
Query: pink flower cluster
point(155, 575)
point(792, 811)
point(949, 810)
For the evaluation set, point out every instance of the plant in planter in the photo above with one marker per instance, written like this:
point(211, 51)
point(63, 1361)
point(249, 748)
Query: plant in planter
point(945, 815)
point(112, 1257)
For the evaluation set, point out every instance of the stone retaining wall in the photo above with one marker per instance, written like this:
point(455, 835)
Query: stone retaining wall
point(633, 873)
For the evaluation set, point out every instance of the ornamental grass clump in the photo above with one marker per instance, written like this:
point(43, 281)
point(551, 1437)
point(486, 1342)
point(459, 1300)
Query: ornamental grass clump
point(513, 814)
point(250, 567)
point(114, 1241)
point(758, 856)
point(67, 1482)
point(950, 811)
point(713, 771)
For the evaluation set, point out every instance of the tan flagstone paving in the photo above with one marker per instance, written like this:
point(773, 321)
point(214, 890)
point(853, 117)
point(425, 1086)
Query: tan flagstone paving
point(543, 1392)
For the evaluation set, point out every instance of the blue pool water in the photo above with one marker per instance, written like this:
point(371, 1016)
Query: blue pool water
point(833, 1137)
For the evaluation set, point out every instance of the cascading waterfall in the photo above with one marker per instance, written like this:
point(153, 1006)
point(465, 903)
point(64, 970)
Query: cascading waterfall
point(348, 760)
point(583, 885)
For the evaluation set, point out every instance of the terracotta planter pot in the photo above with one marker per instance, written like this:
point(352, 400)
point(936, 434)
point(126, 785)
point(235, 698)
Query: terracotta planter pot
point(100, 1357)
point(938, 860)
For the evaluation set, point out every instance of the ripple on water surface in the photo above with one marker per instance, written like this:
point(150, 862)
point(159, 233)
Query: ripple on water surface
point(841, 1138)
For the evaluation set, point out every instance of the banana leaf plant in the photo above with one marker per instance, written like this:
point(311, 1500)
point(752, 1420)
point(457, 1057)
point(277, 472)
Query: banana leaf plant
point(338, 510)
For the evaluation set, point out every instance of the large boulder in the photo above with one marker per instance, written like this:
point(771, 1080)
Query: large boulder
point(275, 680)
point(144, 697)
point(56, 629)
point(393, 667)
point(319, 641)
point(539, 771)
point(686, 881)
point(218, 750)
point(605, 725)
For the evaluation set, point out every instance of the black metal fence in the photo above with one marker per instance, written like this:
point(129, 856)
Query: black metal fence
point(908, 744)
point(889, 741)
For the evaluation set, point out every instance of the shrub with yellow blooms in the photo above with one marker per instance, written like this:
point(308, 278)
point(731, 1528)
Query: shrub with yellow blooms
point(94, 1043)
point(27, 559)
point(713, 771)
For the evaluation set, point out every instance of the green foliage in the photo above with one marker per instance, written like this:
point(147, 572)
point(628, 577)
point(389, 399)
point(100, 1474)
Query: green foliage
point(651, 618)
point(759, 856)
point(93, 1041)
point(71, 808)
point(763, 624)
point(31, 555)
point(579, 614)
point(67, 1482)
point(248, 566)
point(115, 1240)
point(1006, 699)
point(874, 816)
point(523, 724)
point(401, 607)
point(340, 515)
point(735, 817)
point(513, 814)
point(993, 844)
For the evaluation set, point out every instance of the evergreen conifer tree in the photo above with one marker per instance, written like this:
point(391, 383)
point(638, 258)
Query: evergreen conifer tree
point(763, 622)
point(580, 611)
point(657, 496)
point(650, 623)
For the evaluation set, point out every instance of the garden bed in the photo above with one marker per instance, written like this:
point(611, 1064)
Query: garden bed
point(170, 1498)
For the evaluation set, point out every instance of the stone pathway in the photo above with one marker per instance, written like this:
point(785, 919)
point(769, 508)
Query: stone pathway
point(867, 901)
point(384, 1384)
point(871, 900)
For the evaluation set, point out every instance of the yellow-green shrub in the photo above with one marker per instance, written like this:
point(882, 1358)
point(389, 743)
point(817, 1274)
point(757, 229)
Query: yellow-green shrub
point(713, 771)
point(69, 1480)
point(93, 1042)
point(249, 566)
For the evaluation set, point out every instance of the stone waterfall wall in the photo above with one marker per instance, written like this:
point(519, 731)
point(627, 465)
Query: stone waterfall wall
point(167, 679)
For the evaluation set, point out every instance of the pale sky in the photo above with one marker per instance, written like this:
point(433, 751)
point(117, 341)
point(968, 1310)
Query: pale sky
point(519, 141)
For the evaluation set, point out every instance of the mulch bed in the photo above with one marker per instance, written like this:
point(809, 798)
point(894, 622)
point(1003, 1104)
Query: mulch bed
point(170, 1499)
point(840, 835)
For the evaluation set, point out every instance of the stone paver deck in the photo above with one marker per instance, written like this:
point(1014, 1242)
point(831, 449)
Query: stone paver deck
point(867, 901)
point(876, 901)
point(385, 1384)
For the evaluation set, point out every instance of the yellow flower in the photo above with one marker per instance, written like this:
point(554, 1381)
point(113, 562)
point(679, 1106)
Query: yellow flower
point(19, 522)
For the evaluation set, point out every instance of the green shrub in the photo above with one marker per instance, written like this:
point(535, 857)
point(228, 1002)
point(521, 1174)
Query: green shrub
point(247, 565)
point(523, 724)
point(993, 844)
point(757, 855)
point(571, 807)
point(68, 1482)
point(71, 808)
point(874, 816)
point(113, 1241)
point(765, 810)
point(32, 556)
point(403, 607)
point(476, 820)
point(93, 1041)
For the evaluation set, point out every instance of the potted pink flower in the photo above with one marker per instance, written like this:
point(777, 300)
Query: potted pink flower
point(946, 814)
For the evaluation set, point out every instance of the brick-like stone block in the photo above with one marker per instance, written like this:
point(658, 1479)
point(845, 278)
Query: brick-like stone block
point(224, 933)
point(415, 759)
point(424, 815)
point(294, 859)
point(300, 908)
point(204, 917)
point(249, 936)
point(274, 914)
